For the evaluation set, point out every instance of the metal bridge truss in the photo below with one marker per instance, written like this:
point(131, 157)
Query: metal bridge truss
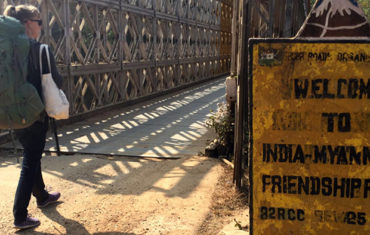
point(114, 51)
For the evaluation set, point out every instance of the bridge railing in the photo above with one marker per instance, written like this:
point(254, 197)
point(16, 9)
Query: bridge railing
point(113, 51)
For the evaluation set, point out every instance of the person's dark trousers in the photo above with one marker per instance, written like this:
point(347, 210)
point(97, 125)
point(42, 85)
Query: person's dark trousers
point(30, 181)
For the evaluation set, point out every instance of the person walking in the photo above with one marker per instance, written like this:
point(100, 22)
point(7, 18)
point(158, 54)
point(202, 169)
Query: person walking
point(32, 138)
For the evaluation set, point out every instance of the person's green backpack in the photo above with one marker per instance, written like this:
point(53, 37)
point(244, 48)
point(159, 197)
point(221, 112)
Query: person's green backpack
point(20, 104)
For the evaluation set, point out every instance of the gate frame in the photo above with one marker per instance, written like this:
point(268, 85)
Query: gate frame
point(255, 24)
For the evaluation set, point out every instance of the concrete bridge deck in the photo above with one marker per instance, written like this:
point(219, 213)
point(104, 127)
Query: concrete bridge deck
point(131, 195)
point(170, 126)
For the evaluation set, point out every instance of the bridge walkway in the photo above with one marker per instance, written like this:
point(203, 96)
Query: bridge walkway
point(170, 126)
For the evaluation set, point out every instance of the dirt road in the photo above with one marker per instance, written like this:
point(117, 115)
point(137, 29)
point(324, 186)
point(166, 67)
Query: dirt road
point(118, 195)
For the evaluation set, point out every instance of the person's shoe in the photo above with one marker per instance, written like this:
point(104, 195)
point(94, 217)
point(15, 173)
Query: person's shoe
point(53, 197)
point(28, 223)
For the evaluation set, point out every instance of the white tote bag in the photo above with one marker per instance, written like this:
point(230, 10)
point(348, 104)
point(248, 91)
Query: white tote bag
point(56, 103)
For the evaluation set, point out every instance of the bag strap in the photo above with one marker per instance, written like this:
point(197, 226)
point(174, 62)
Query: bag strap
point(44, 46)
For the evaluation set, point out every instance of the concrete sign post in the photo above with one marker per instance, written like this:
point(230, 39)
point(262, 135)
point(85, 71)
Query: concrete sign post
point(310, 155)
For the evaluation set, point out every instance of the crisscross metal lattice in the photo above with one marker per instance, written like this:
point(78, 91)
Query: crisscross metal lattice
point(114, 51)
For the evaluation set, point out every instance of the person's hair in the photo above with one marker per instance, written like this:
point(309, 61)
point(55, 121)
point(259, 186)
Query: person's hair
point(22, 12)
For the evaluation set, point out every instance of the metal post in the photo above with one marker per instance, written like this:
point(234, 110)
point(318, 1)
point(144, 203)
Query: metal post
point(234, 31)
point(271, 18)
point(120, 35)
point(155, 38)
point(1, 6)
point(68, 35)
point(54, 127)
point(288, 18)
point(45, 11)
point(242, 82)
point(177, 70)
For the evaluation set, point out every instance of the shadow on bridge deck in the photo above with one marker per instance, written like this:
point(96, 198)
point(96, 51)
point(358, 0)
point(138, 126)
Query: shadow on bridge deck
point(129, 195)
point(167, 127)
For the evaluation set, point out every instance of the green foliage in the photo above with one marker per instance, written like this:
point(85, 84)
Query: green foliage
point(365, 4)
point(312, 2)
point(222, 121)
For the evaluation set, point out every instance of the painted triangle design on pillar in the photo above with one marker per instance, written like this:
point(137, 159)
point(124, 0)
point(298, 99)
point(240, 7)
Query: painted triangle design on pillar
point(335, 18)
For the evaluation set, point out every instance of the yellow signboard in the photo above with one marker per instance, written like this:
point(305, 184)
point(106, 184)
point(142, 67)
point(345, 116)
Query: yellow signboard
point(310, 162)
